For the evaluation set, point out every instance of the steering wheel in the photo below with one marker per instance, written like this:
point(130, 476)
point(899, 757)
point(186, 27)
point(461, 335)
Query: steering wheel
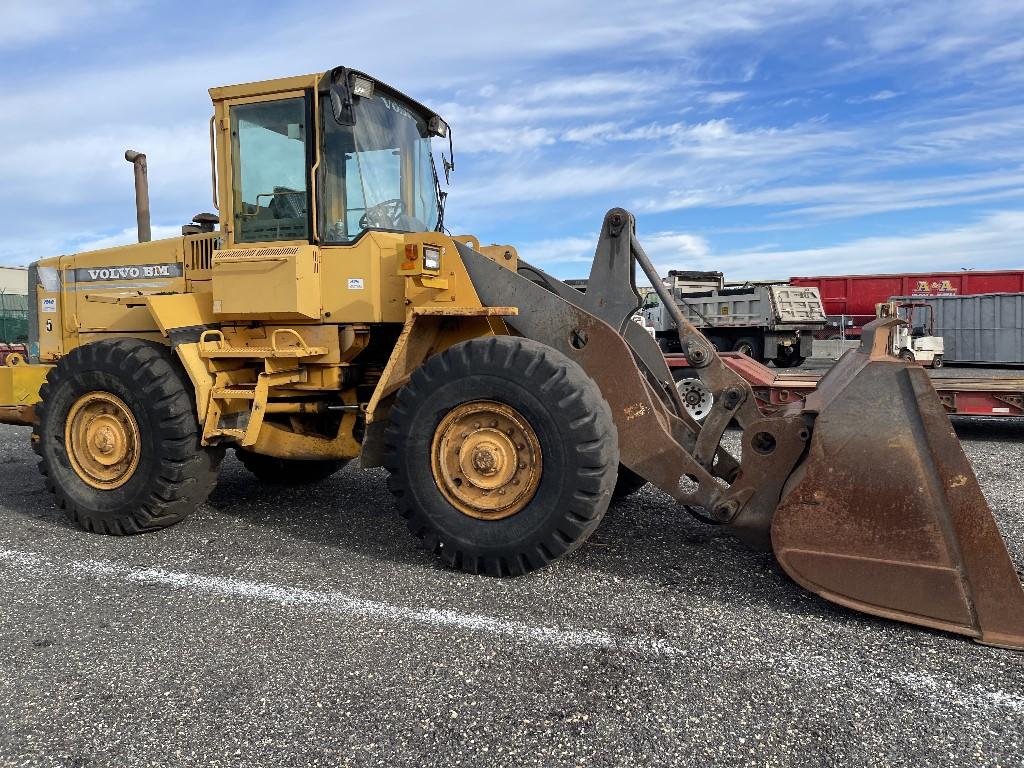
point(384, 214)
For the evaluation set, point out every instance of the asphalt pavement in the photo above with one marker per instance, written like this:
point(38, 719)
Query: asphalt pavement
point(281, 627)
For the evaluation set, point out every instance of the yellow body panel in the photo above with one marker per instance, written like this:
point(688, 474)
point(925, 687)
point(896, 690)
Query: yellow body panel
point(284, 279)
point(19, 391)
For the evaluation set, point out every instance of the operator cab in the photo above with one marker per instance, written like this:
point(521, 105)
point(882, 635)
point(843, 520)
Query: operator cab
point(325, 158)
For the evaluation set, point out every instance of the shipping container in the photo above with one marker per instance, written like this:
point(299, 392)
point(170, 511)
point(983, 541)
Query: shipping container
point(979, 329)
point(852, 298)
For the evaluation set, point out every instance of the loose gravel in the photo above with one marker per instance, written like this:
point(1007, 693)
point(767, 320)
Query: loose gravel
point(302, 627)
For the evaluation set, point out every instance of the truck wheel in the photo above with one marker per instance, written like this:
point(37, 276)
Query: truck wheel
point(937, 361)
point(749, 346)
point(628, 483)
point(906, 354)
point(118, 438)
point(275, 471)
point(503, 455)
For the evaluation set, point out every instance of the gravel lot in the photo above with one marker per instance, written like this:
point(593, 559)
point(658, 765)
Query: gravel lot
point(302, 627)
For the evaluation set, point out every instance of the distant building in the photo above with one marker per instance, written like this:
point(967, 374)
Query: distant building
point(14, 280)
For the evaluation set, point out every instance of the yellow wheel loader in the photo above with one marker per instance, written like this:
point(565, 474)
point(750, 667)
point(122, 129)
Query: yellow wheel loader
point(324, 314)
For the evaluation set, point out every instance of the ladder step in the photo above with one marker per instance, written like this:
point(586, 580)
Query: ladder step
point(261, 352)
point(231, 393)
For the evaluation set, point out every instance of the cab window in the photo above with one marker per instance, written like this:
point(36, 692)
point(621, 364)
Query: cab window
point(269, 152)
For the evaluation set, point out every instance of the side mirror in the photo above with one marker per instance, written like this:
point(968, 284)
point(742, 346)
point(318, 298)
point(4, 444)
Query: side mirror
point(341, 102)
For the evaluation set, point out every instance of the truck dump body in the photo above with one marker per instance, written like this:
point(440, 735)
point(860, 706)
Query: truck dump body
point(773, 322)
point(987, 328)
point(996, 396)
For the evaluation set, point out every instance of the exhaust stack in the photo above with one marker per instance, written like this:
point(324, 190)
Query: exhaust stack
point(138, 160)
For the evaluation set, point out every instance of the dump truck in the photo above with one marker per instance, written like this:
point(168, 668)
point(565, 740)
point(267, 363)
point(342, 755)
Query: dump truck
point(766, 322)
point(324, 314)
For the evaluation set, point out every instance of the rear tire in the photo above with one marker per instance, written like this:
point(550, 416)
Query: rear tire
point(119, 440)
point(907, 355)
point(563, 451)
point(749, 346)
point(937, 362)
point(274, 471)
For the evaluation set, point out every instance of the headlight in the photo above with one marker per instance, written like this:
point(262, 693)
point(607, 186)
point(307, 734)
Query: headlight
point(431, 257)
point(362, 87)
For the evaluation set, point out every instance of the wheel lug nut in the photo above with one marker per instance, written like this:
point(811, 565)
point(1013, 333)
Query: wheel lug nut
point(476, 425)
point(522, 465)
point(494, 423)
point(520, 446)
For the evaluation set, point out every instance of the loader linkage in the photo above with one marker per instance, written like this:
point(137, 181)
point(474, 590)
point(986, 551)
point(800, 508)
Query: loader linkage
point(875, 509)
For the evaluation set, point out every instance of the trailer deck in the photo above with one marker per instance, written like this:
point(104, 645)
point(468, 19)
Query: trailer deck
point(998, 396)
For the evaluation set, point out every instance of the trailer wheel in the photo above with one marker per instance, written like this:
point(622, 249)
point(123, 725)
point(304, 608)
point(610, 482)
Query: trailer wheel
point(503, 455)
point(749, 346)
point(275, 471)
point(118, 438)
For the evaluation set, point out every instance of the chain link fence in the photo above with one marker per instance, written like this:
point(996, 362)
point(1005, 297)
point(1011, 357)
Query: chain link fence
point(13, 318)
point(842, 332)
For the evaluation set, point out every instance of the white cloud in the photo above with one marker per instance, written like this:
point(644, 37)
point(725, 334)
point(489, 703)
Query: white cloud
point(994, 242)
point(719, 98)
point(667, 250)
point(883, 95)
point(26, 22)
point(124, 237)
point(559, 250)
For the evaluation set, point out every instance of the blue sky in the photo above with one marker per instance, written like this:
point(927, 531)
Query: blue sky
point(765, 138)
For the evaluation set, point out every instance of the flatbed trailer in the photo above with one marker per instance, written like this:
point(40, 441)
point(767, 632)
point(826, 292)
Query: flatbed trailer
point(998, 396)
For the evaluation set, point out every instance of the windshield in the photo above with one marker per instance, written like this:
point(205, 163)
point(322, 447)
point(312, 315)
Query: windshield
point(377, 174)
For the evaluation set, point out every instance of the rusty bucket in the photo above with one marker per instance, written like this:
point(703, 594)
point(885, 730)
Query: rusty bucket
point(885, 514)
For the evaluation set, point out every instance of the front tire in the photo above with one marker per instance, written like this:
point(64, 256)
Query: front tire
point(118, 438)
point(503, 455)
point(274, 471)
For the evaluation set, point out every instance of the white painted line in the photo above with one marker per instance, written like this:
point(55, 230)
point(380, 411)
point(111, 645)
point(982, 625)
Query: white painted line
point(352, 606)
point(944, 692)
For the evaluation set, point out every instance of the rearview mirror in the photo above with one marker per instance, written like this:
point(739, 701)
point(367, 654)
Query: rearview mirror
point(341, 102)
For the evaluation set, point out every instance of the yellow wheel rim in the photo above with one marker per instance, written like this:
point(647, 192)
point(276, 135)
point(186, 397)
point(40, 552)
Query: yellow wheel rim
point(102, 440)
point(486, 460)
